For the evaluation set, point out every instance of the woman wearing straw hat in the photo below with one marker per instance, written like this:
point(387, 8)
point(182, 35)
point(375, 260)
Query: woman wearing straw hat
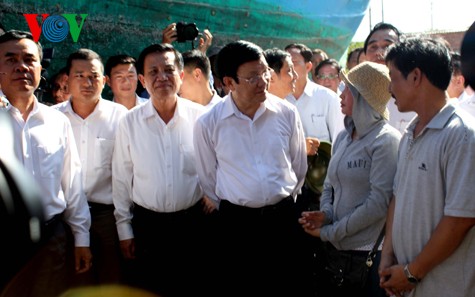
point(359, 180)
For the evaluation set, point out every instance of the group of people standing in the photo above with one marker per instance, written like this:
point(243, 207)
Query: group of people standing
point(208, 197)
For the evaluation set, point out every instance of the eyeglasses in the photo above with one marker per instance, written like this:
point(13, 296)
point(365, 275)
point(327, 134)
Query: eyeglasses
point(255, 79)
point(330, 76)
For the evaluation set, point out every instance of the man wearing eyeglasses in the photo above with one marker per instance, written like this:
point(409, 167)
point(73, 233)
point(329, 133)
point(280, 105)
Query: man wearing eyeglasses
point(251, 160)
point(327, 74)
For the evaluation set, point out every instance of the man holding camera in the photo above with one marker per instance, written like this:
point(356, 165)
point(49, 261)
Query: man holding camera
point(181, 32)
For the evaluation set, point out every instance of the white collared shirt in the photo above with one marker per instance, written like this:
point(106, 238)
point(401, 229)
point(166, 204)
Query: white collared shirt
point(214, 100)
point(320, 112)
point(468, 104)
point(154, 162)
point(251, 162)
point(138, 100)
point(45, 145)
point(95, 137)
point(397, 119)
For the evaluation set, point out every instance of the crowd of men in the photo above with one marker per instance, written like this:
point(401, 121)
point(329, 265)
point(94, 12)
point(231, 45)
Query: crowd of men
point(189, 193)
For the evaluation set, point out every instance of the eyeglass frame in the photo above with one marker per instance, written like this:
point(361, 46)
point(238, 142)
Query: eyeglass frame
point(255, 79)
point(330, 77)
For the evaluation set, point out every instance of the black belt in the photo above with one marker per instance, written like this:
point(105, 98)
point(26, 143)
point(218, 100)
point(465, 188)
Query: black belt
point(94, 206)
point(49, 226)
point(285, 204)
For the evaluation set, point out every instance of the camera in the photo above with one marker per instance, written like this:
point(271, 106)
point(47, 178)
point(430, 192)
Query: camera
point(186, 31)
point(44, 87)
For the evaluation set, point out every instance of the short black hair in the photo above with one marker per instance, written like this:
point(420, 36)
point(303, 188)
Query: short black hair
point(331, 62)
point(429, 55)
point(378, 27)
point(467, 51)
point(456, 61)
point(118, 60)
point(58, 74)
point(356, 51)
point(275, 57)
point(197, 59)
point(305, 51)
point(233, 55)
point(158, 48)
point(83, 54)
point(18, 35)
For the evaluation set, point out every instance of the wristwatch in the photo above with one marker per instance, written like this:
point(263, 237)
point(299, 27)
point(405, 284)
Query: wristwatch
point(411, 278)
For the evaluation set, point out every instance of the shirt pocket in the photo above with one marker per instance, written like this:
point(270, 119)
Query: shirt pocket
point(103, 149)
point(187, 158)
point(51, 159)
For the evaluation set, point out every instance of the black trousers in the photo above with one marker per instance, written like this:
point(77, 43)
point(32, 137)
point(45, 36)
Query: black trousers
point(108, 263)
point(46, 273)
point(259, 251)
point(170, 251)
point(312, 250)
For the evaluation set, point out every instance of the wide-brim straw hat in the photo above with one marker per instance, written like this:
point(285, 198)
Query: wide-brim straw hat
point(371, 80)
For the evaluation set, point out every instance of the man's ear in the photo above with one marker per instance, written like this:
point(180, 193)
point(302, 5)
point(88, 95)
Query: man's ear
point(273, 76)
point(197, 74)
point(142, 80)
point(229, 82)
point(416, 76)
point(462, 80)
point(308, 66)
point(108, 80)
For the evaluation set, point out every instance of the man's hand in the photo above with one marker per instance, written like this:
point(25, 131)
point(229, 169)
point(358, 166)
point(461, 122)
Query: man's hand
point(205, 42)
point(127, 247)
point(169, 33)
point(83, 259)
point(395, 281)
point(312, 221)
point(312, 145)
point(208, 205)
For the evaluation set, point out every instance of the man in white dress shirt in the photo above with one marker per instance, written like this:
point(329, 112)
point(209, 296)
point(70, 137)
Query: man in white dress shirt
point(121, 75)
point(379, 39)
point(196, 80)
point(158, 200)
point(319, 107)
point(251, 160)
point(44, 144)
point(322, 119)
point(94, 121)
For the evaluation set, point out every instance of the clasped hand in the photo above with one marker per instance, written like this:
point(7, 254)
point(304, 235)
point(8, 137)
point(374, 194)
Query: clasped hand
point(312, 221)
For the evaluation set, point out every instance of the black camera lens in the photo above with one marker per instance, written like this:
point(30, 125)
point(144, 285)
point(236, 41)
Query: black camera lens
point(186, 32)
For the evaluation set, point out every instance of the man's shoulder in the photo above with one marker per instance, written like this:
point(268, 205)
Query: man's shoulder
point(193, 109)
point(53, 114)
point(53, 110)
point(282, 103)
point(109, 105)
point(141, 100)
point(320, 92)
point(60, 106)
point(187, 103)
